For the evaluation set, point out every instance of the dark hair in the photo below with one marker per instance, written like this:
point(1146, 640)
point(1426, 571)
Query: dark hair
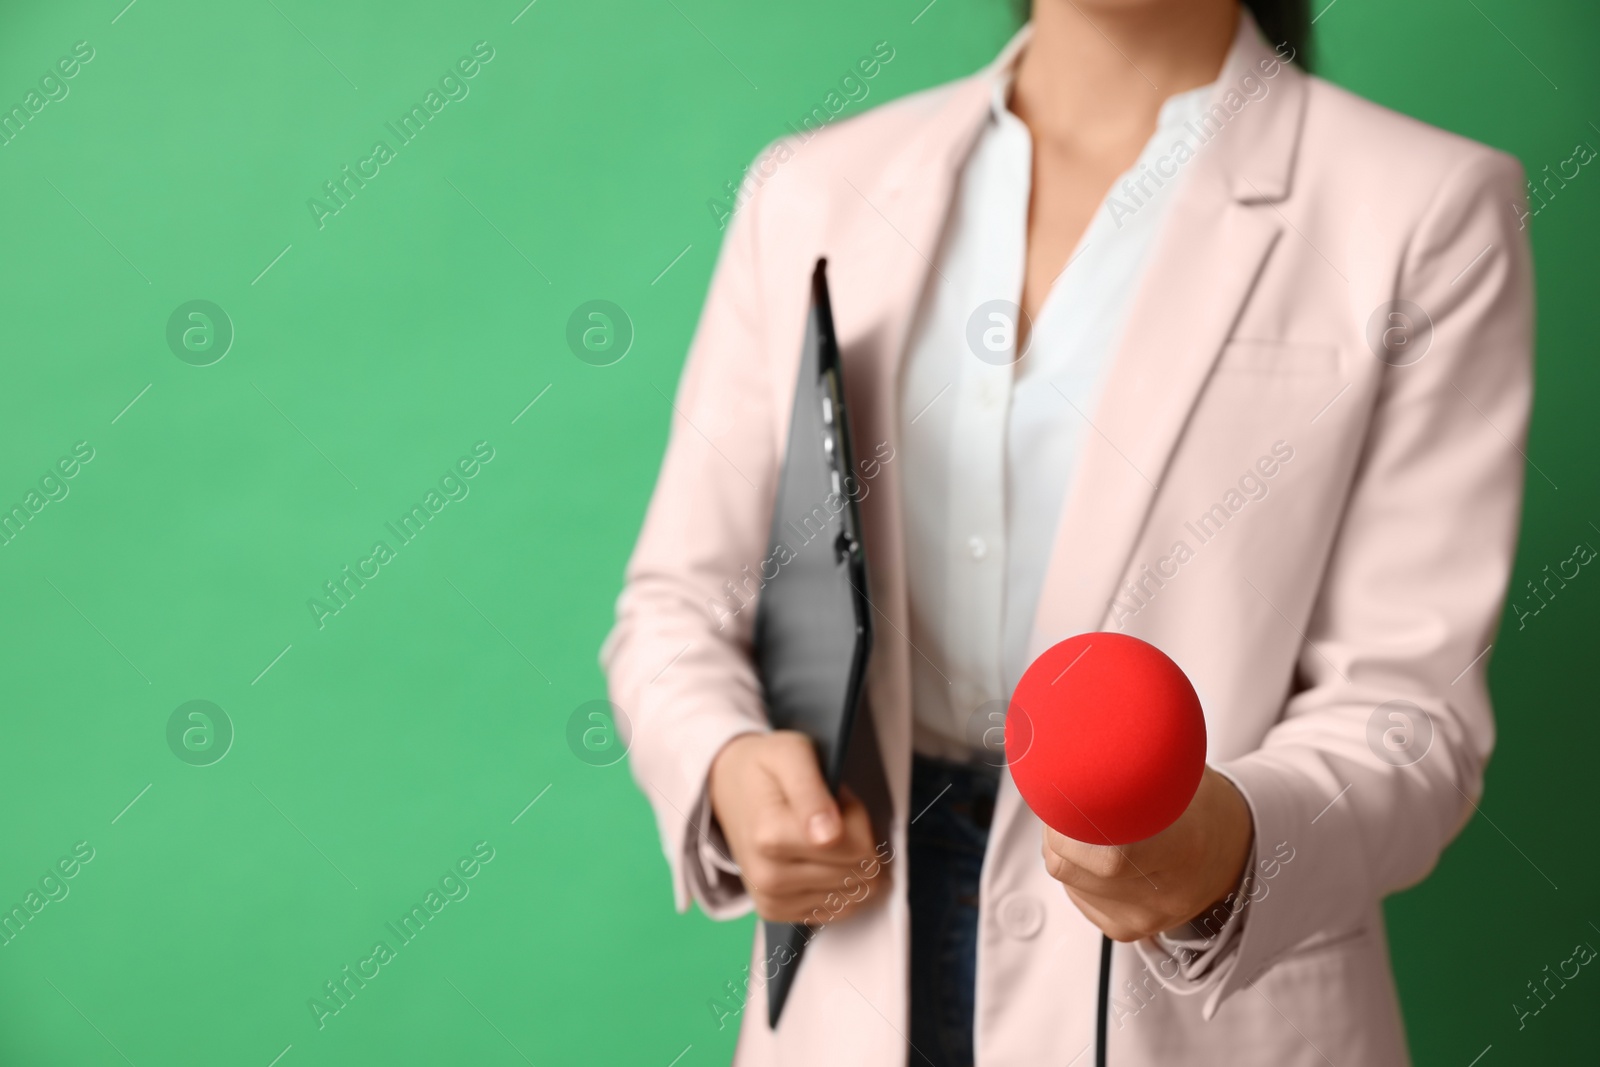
point(1285, 22)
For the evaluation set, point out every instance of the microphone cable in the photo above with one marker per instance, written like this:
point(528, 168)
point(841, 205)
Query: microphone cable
point(1104, 1014)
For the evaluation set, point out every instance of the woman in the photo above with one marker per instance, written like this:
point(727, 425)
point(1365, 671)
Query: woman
point(1148, 331)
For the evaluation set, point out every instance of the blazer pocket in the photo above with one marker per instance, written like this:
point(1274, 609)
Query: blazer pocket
point(1292, 359)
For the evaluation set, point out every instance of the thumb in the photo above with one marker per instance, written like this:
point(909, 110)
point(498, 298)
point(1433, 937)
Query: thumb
point(795, 767)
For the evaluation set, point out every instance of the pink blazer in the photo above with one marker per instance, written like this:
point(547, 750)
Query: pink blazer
point(1346, 484)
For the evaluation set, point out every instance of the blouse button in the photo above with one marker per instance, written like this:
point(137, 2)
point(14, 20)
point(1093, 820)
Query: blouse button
point(977, 546)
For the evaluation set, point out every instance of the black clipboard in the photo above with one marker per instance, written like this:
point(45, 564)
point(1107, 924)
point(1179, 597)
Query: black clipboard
point(813, 628)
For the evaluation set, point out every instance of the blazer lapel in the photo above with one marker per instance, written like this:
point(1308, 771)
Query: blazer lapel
point(1187, 305)
point(1216, 239)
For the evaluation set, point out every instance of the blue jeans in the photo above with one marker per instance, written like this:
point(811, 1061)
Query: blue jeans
point(952, 805)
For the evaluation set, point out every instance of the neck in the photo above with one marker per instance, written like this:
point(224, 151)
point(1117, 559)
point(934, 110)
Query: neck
point(1096, 71)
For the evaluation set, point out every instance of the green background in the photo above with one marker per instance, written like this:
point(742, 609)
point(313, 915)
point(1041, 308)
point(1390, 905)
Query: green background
point(370, 354)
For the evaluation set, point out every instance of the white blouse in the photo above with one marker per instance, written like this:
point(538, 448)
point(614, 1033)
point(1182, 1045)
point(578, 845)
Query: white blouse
point(991, 438)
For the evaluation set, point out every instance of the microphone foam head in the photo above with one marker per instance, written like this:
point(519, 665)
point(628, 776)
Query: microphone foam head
point(1105, 739)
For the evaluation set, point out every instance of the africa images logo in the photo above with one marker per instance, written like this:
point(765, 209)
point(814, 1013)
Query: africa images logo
point(452, 887)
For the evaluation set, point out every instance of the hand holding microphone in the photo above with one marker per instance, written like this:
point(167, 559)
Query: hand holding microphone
point(1106, 743)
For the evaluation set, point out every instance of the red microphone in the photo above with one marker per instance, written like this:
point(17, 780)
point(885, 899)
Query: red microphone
point(1107, 744)
point(1105, 739)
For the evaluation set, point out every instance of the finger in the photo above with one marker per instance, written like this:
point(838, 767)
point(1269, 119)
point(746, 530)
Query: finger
point(1121, 908)
point(850, 868)
point(854, 850)
point(794, 765)
point(826, 869)
point(761, 825)
point(1118, 922)
point(777, 839)
point(799, 910)
point(1101, 863)
point(1070, 862)
point(788, 876)
point(816, 909)
point(856, 839)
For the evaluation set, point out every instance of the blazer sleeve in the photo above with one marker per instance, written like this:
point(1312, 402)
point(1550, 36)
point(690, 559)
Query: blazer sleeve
point(678, 660)
point(1362, 794)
